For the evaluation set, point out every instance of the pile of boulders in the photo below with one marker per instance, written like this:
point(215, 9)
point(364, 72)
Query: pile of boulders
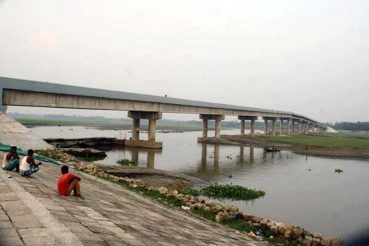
point(224, 212)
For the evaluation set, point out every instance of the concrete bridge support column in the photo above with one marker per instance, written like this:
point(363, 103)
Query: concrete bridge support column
point(253, 126)
point(265, 127)
point(281, 127)
point(204, 127)
point(1, 100)
point(289, 126)
point(307, 128)
point(299, 127)
point(136, 129)
point(252, 123)
point(206, 118)
point(273, 126)
point(135, 140)
point(316, 128)
point(152, 130)
point(217, 126)
point(242, 127)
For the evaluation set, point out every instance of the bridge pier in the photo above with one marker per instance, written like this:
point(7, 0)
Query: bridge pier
point(135, 141)
point(289, 121)
point(2, 107)
point(299, 127)
point(205, 122)
point(281, 127)
point(242, 127)
point(273, 126)
point(252, 120)
point(306, 127)
point(265, 126)
point(274, 120)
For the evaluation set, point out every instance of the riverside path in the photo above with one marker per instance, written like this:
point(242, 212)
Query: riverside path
point(32, 213)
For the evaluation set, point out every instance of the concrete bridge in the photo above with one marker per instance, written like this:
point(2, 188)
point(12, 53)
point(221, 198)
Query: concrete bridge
point(18, 92)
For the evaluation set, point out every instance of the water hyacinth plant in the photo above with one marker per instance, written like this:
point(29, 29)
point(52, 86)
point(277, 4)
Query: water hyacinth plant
point(233, 192)
point(126, 162)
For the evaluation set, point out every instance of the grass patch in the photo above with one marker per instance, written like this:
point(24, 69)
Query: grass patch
point(243, 226)
point(234, 223)
point(126, 162)
point(334, 141)
point(233, 192)
point(44, 122)
point(190, 191)
point(51, 154)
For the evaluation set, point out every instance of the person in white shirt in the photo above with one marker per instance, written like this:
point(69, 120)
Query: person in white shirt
point(28, 165)
point(11, 160)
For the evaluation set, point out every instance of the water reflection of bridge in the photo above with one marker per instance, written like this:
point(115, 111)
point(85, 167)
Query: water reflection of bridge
point(216, 153)
point(150, 155)
point(210, 159)
point(242, 158)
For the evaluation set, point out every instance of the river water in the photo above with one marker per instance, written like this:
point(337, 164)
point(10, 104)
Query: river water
point(300, 190)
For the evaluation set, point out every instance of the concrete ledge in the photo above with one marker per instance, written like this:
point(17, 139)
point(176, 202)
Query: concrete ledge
point(144, 144)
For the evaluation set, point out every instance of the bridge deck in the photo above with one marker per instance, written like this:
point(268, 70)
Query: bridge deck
point(11, 84)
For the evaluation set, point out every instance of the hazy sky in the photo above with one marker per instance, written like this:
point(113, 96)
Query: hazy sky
point(310, 57)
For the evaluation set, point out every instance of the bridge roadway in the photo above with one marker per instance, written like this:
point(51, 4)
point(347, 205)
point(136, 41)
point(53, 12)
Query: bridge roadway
point(17, 92)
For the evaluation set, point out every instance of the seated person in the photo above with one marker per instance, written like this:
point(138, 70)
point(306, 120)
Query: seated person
point(11, 160)
point(68, 182)
point(28, 165)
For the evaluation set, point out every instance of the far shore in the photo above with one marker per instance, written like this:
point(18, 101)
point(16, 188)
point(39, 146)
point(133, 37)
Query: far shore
point(324, 145)
point(354, 145)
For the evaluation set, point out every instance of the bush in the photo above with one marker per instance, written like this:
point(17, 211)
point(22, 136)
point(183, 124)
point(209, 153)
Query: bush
point(233, 192)
point(126, 162)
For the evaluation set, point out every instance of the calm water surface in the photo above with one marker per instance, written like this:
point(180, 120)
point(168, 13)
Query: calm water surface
point(320, 200)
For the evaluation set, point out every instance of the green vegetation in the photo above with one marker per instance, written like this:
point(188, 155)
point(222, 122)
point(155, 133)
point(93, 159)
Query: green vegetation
point(190, 191)
point(45, 122)
point(240, 224)
point(236, 223)
point(225, 191)
point(126, 162)
point(334, 141)
point(54, 154)
point(351, 126)
point(233, 192)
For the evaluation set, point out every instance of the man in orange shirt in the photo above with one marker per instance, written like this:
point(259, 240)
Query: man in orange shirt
point(68, 182)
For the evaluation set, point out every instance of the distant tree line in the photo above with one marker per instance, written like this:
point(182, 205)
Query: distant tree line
point(351, 126)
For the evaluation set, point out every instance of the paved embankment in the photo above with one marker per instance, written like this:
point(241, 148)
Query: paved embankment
point(32, 213)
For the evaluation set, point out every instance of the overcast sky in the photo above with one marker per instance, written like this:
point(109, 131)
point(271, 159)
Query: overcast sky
point(310, 57)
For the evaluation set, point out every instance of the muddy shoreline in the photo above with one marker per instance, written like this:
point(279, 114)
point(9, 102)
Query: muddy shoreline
point(297, 149)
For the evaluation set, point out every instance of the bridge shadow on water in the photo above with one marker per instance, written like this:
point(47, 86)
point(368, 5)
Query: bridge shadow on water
point(213, 162)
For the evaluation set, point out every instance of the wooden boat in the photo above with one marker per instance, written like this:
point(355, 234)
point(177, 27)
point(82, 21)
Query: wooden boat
point(271, 149)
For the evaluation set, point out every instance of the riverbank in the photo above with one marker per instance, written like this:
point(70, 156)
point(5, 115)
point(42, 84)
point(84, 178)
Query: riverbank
point(355, 146)
point(32, 213)
point(172, 190)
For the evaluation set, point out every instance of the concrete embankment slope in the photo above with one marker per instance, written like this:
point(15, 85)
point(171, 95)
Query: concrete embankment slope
point(109, 215)
point(14, 133)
